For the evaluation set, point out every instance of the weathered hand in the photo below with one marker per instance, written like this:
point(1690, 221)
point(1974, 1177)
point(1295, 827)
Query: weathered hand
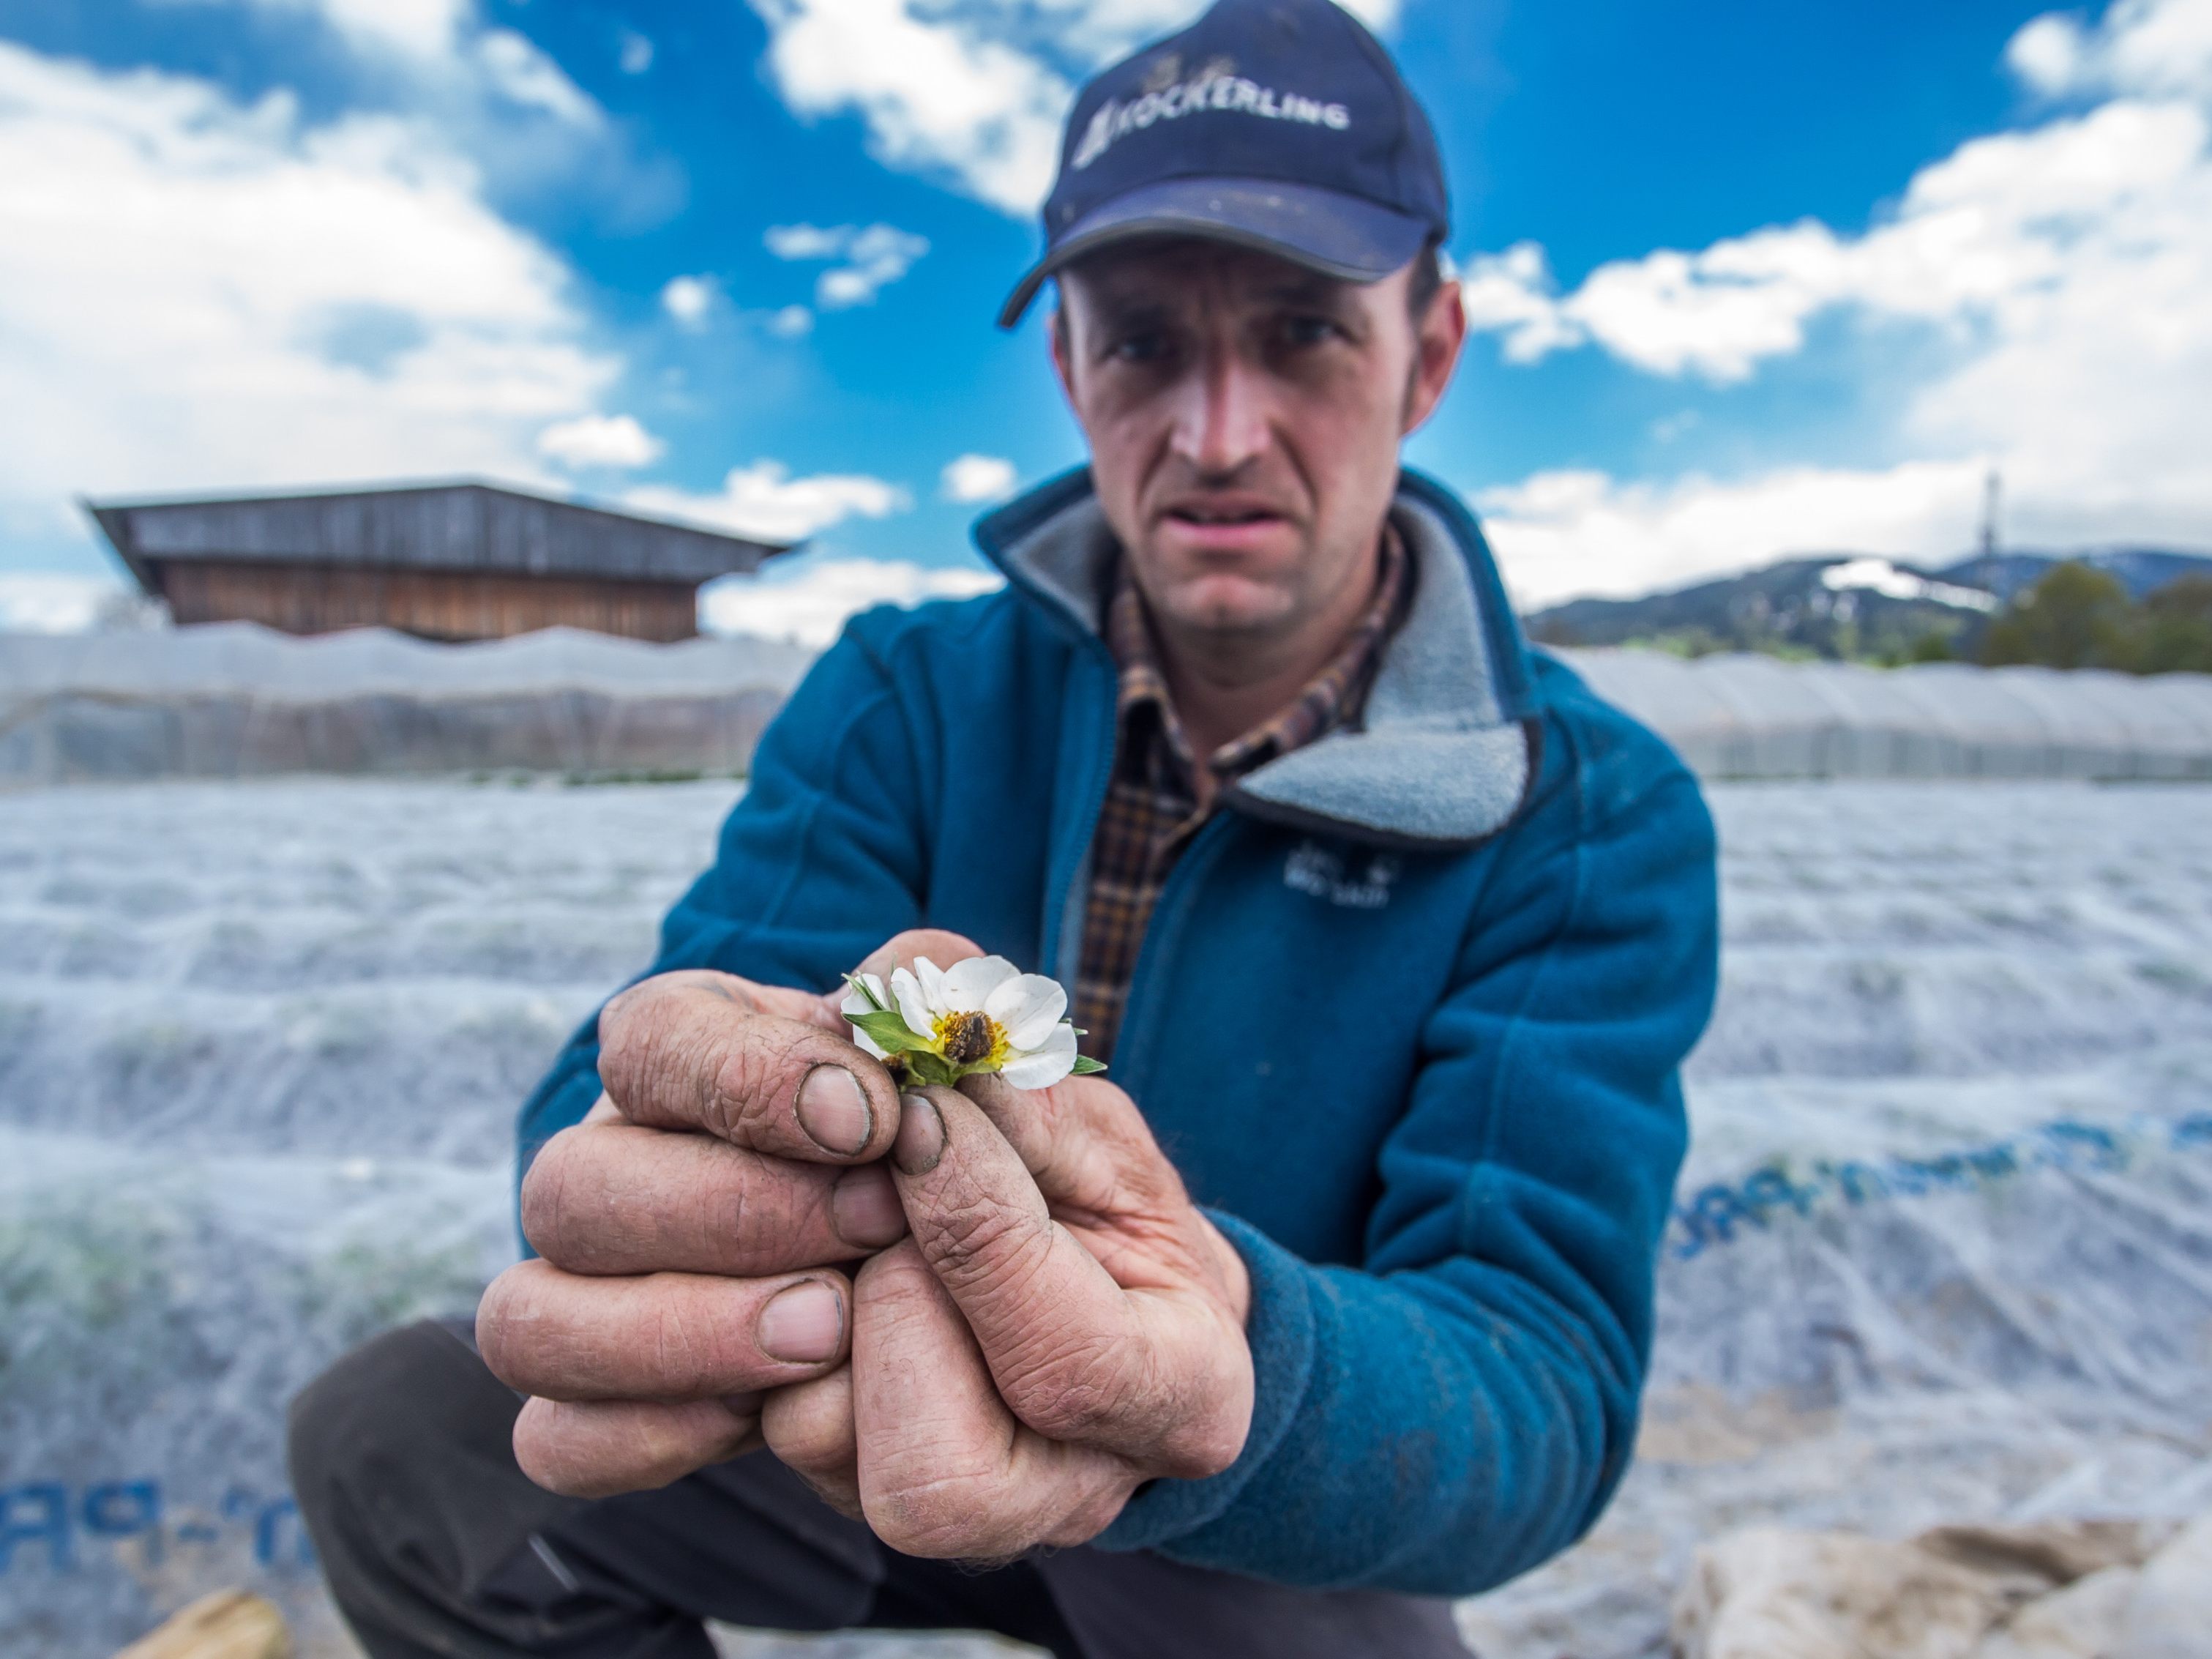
point(1063, 1325)
point(688, 1230)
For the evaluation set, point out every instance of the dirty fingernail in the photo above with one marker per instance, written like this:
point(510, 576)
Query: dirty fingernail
point(921, 1140)
point(833, 1109)
point(803, 1325)
point(864, 1208)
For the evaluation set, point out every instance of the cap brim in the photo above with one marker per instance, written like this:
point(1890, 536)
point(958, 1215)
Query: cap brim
point(1339, 236)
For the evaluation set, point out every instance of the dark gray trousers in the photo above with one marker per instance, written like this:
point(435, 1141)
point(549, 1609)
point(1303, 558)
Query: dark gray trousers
point(435, 1543)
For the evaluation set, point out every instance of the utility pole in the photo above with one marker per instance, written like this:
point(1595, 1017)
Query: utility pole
point(1993, 494)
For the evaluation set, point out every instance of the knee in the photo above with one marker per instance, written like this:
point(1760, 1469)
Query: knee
point(406, 1402)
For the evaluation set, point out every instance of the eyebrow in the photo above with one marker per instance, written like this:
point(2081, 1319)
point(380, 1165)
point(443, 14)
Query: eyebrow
point(1120, 312)
point(1309, 289)
point(1134, 308)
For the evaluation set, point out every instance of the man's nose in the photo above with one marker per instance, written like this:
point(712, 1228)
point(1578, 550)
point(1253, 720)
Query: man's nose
point(1223, 422)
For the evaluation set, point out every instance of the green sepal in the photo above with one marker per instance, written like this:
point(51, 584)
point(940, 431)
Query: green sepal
point(1085, 1066)
point(931, 1068)
point(860, 986)
point(890, 1032)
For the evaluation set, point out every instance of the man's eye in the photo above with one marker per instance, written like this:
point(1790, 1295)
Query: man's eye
point(1311, 331)
point(1140, 348)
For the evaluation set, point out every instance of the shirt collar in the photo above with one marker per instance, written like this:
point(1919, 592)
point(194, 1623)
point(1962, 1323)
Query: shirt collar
point(1332, 696)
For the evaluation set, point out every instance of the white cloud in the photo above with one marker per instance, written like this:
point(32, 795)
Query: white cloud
point(1512, 294)
point(421, 27)
point(978, 478)
point(523, 75)
point(763, 500)
point(938, 96)
point(415, 28)
point(971, 94)
point(1562, 533)
point(2064, 271)
point(806, 241)
point(332, 301)
point(1996, 231)
point(38, 603)
point(445, 49)
point(974, 95)
point(636, 55)
point(791, 322)
point(870, 259)
point(808, 599)
point(1095, 33)
point(689, 299)
point(600, 440)
point(2139, 46)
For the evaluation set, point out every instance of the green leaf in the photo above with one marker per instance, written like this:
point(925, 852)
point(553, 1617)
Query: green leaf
point(890, 1032)
point(866, 995)
point(1085, 1066)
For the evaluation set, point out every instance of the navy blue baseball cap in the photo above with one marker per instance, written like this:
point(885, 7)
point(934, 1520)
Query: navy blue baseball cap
point(1277, 125)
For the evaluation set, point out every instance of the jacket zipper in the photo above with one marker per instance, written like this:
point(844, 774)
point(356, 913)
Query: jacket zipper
point(1132, 1047)
point(1069, 903)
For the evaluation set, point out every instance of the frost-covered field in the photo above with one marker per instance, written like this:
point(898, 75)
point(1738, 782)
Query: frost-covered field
point(1945, 1248)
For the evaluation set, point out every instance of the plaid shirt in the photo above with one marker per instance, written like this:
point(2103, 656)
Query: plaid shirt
point(1151, 808)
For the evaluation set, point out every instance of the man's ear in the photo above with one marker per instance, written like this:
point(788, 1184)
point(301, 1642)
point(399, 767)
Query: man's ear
point(1437, 343)
point(1062, 351)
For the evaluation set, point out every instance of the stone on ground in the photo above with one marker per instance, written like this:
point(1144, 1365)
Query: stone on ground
point(228, 1624)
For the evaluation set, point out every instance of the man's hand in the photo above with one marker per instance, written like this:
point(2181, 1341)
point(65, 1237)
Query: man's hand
point(689, 1229)
point(1063, 1326)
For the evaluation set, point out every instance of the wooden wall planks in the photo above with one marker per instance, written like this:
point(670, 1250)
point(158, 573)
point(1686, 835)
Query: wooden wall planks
point(436, 604)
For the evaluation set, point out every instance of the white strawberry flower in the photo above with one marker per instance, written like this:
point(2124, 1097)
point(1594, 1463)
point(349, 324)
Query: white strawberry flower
point(866, 996)
point(980, 1015)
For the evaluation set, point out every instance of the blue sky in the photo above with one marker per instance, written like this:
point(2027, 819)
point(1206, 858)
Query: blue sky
point(1748, 279)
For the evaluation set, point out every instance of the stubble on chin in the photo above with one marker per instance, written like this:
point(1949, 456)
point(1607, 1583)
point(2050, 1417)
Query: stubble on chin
point(1227, 622)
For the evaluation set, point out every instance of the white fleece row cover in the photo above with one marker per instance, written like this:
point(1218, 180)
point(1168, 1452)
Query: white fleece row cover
point(1942, 1253)
point(236, 700)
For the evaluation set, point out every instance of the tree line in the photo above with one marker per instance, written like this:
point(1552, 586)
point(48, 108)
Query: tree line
point(2078, 616)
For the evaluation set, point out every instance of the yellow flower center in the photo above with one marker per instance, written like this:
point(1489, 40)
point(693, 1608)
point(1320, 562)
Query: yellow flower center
point(970, 1039)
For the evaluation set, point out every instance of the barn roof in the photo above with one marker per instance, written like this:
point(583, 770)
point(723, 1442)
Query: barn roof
point(465, 524)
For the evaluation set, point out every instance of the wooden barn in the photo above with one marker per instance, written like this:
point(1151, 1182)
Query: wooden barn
point(462, 561)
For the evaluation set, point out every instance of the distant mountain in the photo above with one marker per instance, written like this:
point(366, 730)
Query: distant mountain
point(1841, 605)
point(2140, 570)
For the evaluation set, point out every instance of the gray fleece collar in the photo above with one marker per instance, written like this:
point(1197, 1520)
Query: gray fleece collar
point(1444, 754)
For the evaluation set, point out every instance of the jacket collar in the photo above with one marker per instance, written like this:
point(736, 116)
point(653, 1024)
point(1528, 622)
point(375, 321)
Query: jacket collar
point(1445, 754)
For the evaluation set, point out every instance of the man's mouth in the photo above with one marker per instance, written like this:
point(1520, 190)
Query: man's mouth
point(1222, 514)
point(1210, 516)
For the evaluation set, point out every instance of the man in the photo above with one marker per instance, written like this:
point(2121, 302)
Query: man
point(1332, 1299)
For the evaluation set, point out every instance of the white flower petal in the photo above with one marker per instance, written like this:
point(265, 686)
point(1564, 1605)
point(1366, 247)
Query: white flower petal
point(933, 985)
point(855, 1003)
point(1027, 1008)
point(913, 1006)
point(1047, 1066)
point(968, 985)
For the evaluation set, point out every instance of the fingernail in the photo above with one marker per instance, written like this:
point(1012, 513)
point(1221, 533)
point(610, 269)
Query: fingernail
point(803, 1325)
point(864, 1208)
point(921, 1140)
point(833, 1109)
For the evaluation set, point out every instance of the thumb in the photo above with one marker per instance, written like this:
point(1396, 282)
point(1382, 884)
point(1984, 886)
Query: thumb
point(1085, 1143)
point(1059, 1335)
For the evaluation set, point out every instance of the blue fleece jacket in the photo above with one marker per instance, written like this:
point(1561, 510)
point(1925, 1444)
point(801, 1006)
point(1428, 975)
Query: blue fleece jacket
point(1407, 1019)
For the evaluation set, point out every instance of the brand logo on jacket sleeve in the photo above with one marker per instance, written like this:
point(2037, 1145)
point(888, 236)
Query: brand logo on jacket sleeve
point(1322, 872)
